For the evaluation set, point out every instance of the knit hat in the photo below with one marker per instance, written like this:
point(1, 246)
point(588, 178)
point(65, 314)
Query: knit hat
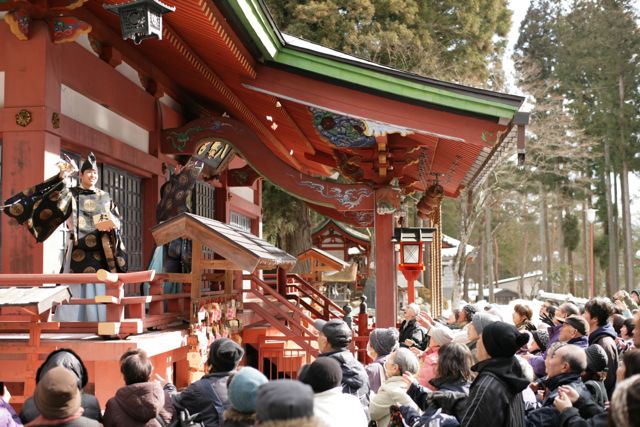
point(322, 375)
point(441, 335)
point(482, 319)
point(284, 400)
point(501, 339)
point(578, 322)
point(224, 355)
point(625, 402)
point(541, 338)
point(57, 395)
point(337, 332)
point(597, 359)
point(244, 388)
point(384, 340)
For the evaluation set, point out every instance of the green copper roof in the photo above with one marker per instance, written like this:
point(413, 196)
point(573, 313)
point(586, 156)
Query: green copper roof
point(309, 57)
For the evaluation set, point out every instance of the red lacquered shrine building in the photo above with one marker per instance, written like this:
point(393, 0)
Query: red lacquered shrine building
point(277, 107)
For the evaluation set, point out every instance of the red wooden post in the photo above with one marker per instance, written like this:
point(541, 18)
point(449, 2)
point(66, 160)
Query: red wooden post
point(386, 295)
point(32, 83)
point(282, 281)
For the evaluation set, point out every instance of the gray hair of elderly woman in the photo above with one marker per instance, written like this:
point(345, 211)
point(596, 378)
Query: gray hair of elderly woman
point(406, 361)
point(413, 306)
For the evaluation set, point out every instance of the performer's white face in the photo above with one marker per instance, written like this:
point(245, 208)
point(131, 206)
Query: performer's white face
point(88, 178)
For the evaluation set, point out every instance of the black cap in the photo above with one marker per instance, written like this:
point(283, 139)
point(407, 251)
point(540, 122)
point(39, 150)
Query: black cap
point(90, 163)
point(579, 323)
point(224, 355)
point(322, 375)
point(337, 332)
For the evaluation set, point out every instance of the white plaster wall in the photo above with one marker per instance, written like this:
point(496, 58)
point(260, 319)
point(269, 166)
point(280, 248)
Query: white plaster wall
point(1, 89)
point(83, 41)
point(171, 103)
point(94, 115)
point(245, 192)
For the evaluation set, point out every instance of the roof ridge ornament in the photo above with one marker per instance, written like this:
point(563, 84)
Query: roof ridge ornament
point(140, 19)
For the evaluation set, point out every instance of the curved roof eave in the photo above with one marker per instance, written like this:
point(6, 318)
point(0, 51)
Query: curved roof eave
point(304, 56)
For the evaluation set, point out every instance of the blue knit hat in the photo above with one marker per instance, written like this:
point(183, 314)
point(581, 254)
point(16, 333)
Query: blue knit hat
point(244, 389)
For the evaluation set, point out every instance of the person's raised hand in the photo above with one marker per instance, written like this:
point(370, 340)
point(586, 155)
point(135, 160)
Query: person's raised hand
point(562, 401)
point(408, 378)
point(570, 392)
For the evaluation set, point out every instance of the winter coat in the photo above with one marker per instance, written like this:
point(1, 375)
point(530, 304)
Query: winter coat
point(354, 378)
point(582, 341)
point(337, 409)
point(584, 414)
point(89, 402)
point(392, 392)
point(412, 331)
point(420, 394)
point(138, 405)
point(537, 362)
point(598, 392)
point(547, 415)
point(8, 416)
point(375, 372)
point(207, 396)
point(233, 418)
point(605, 336)
point(496, 394)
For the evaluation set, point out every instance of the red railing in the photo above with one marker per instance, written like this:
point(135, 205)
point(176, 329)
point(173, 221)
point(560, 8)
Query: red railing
point(125, 315)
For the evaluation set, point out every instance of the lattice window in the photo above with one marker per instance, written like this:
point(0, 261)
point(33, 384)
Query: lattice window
point(241, 221)
point(203, 200)
point(126, 192)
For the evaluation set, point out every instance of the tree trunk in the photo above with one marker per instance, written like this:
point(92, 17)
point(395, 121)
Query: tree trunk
point(522, 265)
point(572, 279)
point(626, 209)
point(586, 270)
point(459, 266)
point(545, 240)
point(612, 277)
point(489, 243)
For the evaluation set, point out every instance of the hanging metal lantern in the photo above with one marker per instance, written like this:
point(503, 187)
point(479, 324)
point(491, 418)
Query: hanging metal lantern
point(140, 19)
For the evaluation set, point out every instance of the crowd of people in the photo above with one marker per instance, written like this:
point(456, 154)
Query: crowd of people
point(567, 366)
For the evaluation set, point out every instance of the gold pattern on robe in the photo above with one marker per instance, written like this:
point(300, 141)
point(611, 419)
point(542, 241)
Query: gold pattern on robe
point(82, 223)
point(89, 205)
point(182, 180)
point(121, 261)
point(91, 241)
point(180, 195)
point(97, 255)
point(89, 270)
point(45, 214)
point(16, 209)
point(29, 191)
point(78, 255)
point(54, 196)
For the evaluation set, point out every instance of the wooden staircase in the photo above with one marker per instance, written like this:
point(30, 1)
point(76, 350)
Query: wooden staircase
point(286, 339)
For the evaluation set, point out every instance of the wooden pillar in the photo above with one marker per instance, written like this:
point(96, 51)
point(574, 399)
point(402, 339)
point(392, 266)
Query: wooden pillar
point(437, 265)
point(282, 281)
point(386, 291)
point(32, 83)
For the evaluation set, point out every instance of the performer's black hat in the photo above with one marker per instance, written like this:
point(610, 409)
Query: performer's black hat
point(90, 163)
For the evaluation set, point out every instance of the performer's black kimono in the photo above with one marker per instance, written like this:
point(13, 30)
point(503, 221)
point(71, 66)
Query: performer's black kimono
point(47, 205)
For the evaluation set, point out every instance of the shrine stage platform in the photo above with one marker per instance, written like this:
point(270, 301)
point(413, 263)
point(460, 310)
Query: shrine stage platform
point(166, 348)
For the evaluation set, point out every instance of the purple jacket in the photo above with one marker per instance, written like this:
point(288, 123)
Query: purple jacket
point(537, 362)
point(8, 416)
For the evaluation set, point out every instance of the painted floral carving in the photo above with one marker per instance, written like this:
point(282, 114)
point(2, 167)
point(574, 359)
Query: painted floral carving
point(341, 131)
point(346, 198)
point(62, 28)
